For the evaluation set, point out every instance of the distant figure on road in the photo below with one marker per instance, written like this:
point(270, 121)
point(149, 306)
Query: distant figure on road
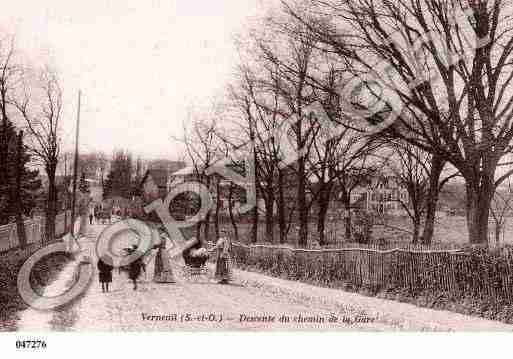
point(136, 266)
point(105, 267)
point(223, 262)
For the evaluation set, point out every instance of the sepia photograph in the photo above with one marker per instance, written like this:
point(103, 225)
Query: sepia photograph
point(256, 165)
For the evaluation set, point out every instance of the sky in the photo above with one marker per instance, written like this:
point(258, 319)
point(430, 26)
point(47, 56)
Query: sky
point(141, 65)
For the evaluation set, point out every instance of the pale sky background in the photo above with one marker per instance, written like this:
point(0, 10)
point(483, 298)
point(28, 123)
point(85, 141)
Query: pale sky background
point(140, 64)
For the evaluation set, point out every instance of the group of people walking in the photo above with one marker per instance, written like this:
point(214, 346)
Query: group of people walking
point(98, 214)
point(163, 272)
point(102, 214)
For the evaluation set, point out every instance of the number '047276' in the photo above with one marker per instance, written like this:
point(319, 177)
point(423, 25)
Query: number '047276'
point(30, 344)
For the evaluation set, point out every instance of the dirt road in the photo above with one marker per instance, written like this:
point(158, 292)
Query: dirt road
point(252, 302)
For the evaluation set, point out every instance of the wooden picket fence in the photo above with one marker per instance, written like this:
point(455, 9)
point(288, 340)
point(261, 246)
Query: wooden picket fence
point(480, 275)
point(34, 229)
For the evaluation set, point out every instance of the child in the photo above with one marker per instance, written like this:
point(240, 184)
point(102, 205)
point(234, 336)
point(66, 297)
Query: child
point(105, 272)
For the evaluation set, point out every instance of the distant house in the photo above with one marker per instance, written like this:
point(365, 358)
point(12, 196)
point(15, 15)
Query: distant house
point(170, 166)
point(154, 184)
point(381, 194)
point(188, 174)
point(158, 180)
point(197, 175)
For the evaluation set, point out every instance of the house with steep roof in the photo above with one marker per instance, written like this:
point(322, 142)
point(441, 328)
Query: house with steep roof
point(154, 184)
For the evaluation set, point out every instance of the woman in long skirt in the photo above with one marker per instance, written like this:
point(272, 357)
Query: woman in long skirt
point(224, 261)
point(163, 271)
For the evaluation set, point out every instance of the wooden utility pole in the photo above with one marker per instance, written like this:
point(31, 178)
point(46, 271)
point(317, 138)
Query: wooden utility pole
point(75, 168)
point(66, 200)
point(20, 223)
point(254, 214)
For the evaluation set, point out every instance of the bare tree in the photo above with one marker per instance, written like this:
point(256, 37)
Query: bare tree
point(20, 225)
point(202, 146)
point(446, 76)
point(259, 104)
point(279, 95)
point(243, 101)
point(501, 208)
point(437, 165)
point(234, 192)
point(409, 165)
point(42, 114)
point(339, 164)
point(419, 173)
point(339, 159)
point(292, 71)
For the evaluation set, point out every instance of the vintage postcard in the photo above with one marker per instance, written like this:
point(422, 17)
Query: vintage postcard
point(256, 165)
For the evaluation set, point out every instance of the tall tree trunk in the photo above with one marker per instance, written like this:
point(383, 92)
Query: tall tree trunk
point(51, 209)
point(4, 178)
point(206, 226)
point(281, 207)
point(230, 211)
point(498, 229)
point(437, 165)
point(218, 206)
point(254, 214)
point(269, 215)
point(321, 222)
point(348, 222)
point(302, 207)
point(206, 221)
point(4, 145)
point(479, 198)
point(254, 224)
point(323, 206)
point(20, 225)
point(416, 230)
point(346, 201)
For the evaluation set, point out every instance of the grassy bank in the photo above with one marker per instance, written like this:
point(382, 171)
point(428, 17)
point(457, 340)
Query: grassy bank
point(43, 273)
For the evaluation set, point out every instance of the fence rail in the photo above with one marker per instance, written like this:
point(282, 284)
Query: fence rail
point(479, 275)
point(34, 228)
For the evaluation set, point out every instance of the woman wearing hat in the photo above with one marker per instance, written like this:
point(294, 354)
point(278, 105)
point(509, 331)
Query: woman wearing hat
point(163, 271)
point(224, 262)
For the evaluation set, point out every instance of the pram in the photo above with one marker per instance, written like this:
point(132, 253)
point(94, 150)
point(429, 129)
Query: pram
point(195, 258)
